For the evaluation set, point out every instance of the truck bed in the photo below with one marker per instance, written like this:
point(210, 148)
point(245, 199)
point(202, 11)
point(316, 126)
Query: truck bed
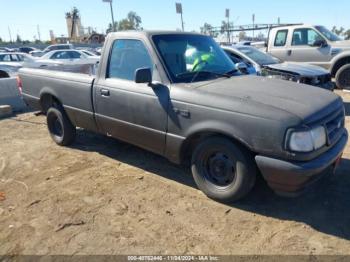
point(79, 107)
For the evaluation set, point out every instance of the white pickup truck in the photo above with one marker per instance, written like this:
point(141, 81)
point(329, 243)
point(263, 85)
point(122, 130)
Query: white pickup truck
point(314, 45)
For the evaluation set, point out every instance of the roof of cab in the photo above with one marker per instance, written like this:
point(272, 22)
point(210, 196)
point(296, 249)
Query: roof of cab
point(149, 33)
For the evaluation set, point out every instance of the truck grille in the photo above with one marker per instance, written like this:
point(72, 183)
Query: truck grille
point(316, 81)
point(334, 126)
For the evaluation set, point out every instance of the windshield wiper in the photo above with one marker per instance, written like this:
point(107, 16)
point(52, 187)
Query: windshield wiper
point(201, 73)
point(231, 72)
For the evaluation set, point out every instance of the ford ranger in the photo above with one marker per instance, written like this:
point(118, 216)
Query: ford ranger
point(227, 126)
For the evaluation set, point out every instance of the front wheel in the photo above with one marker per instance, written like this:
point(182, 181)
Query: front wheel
point(60, 127)
point(342, 77)
point(222, 170)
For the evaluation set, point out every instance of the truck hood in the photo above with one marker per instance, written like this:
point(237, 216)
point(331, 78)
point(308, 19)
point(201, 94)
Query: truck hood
point(298, 68)
point(345, 44)
point(270, 98)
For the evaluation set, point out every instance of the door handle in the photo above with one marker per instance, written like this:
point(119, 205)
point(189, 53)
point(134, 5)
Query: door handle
point(104, 92)
point(289, 52)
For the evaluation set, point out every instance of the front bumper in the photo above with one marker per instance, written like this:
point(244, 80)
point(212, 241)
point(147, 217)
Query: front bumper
point(291, 178)
point(329, 86)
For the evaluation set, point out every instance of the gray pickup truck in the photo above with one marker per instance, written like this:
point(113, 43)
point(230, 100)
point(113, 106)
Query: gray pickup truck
point(314, 45)
point(227, 126)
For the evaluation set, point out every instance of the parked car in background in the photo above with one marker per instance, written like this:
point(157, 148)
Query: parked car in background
point(67, 57)
point(267, 65)
point(58, 47)
point(27, 49)
point(10, 63)
point(98, 51)
point(226, 126)
point(314, 45)
point(89, 53)
point(15, 58)
point(37, 53)
point(6, 50)
point(7, 70)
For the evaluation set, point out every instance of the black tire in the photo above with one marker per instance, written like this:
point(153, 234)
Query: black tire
point(60, 127)
point(342, 78)
point(224, 171)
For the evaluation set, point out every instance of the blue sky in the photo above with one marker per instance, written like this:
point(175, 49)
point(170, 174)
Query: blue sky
point(23, 16)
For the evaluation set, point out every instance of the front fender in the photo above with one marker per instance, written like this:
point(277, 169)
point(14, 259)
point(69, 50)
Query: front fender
point(335, 61)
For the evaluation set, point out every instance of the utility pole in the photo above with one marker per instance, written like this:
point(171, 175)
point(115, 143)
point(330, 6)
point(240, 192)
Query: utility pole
point(253, 26)
point(38, 29)
point(112, 13)
point(10, 34)
point(227, 14)
point(179, 11)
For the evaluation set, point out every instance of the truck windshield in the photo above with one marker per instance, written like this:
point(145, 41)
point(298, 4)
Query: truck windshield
point(328, 34)
point(258, 56)
point(191, 58)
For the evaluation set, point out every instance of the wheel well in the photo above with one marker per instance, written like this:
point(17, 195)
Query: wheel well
point(47, 101)
point(4, 74)
point(339, 64)
point(191, 142)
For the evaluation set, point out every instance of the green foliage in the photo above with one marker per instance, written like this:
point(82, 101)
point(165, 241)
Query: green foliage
point(18, 39)
point(337, 31)
point(132, 22)
point(110, 27)
point(346, 35)
point(225, 26)
point(242, 35)
point(208, 29)
point(341, 32)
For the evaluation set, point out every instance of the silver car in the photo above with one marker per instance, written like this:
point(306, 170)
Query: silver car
point(269, 66)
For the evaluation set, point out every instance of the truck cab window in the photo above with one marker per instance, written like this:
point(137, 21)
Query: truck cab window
point(281, 38)
point(305, 36)
point(126, 57)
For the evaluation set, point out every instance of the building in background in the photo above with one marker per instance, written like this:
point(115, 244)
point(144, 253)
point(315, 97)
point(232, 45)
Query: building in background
point(77, 33)
point(74, 27)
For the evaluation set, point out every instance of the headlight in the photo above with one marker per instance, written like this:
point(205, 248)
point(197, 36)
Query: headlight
point(307, 141)
point(284, 77)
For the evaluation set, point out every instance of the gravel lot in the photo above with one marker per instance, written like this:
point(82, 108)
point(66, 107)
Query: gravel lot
point(102, 196)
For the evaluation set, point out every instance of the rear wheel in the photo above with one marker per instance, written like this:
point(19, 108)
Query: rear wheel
point(222, 170)
point(342, 77)
point(60, 127)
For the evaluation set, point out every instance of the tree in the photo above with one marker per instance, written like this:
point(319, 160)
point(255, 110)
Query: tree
point(124, 25)
point(18, 39)
point(132, 22)
point(111, 28)
point(1, 40)
point(337, 31)
point(225, 26)
point(346, 34)
point(242, 35)
point(208, 29)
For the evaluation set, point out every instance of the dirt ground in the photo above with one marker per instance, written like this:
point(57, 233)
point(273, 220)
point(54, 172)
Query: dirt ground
point(102, 196)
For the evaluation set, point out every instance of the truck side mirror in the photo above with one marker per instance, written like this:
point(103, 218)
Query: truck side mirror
point(143, 75)
point(242, 67)
point(320, 43)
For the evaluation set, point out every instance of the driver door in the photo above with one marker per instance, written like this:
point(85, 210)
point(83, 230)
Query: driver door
point(135, 113)
point(301, 49)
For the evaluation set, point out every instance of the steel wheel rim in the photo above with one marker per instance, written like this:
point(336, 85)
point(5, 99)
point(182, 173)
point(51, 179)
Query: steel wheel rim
point(219, 169)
